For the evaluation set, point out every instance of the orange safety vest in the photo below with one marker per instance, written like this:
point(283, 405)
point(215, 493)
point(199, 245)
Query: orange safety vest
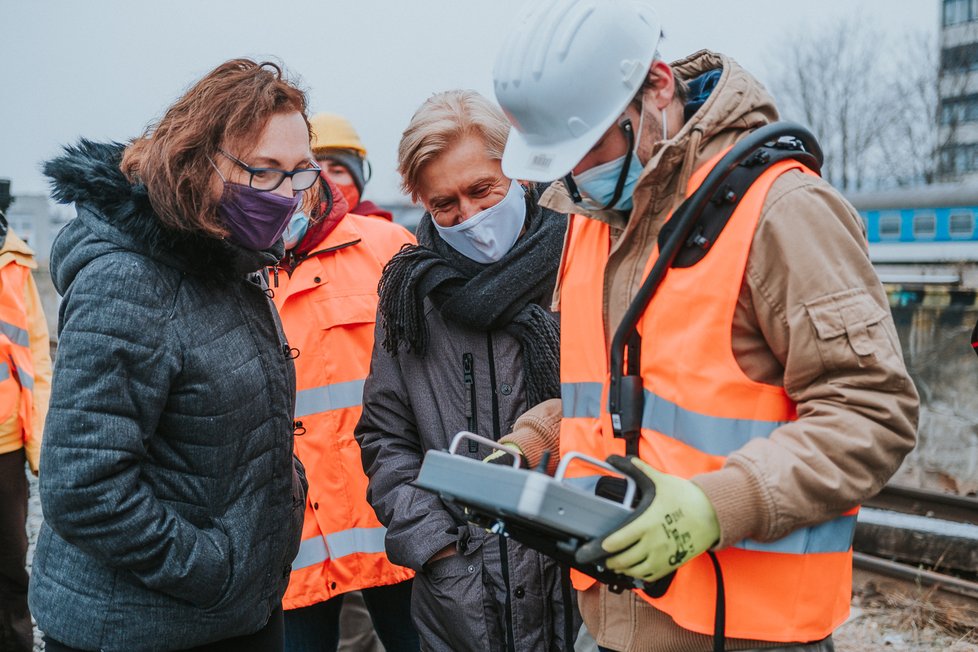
point(328, 307)
point(16, 363)
point(699, 407)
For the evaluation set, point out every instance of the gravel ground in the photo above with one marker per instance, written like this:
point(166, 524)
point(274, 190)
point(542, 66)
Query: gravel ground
point(889, 628)
point(881, 620)
point(34, 520)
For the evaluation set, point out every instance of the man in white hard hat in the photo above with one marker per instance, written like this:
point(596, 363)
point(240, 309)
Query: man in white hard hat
point(775, 394)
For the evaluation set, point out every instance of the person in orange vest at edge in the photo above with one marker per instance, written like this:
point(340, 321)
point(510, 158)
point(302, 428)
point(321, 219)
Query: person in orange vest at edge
point(343, 157)
point(25, 386)
point(325, 289)
point(776, 398)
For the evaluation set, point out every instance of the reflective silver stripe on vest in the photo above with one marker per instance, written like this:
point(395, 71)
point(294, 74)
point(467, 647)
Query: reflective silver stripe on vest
point(16, 334)
point(712, 435)
point(328, 397)
point(24, 380)
point(831, 536)
point(311, 551)
point(359, 539)
point(339, 544)
point(580, 400)
point(709, 434)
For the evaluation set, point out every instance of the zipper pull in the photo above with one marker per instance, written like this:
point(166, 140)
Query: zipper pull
point(275, 274)
point(468, 377)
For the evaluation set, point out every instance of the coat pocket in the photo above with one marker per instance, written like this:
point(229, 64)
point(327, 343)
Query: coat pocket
point(853, 331)
point(346, 310)
point(447, 604)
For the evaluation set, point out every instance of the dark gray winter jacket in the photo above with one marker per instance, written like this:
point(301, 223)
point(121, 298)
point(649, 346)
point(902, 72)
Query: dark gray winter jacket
point(473, 381)
point(171, 501)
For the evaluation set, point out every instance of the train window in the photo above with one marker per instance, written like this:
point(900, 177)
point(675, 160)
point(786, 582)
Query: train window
point(962, 225)
point(957, 11)
point(924, 225)
point(890, 225)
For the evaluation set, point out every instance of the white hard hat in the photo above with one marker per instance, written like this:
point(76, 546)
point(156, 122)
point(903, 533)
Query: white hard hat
point(564, 75)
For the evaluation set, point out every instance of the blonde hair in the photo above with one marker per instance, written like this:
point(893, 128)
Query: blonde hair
point(439, 123)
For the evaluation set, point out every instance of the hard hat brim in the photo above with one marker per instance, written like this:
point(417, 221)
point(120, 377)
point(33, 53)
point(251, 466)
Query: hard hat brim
point(522, 160)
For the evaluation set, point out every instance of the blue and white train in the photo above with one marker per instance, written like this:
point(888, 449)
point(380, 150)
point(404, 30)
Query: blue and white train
point(929, 224)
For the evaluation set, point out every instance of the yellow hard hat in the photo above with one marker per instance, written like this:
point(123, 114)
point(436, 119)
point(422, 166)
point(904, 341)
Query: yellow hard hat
point(332, 131)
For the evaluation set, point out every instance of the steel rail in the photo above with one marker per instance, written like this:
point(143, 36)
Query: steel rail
point(923, 502)
point(909, 573)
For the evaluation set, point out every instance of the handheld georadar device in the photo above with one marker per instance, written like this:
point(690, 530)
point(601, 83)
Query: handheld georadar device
point(553, 515)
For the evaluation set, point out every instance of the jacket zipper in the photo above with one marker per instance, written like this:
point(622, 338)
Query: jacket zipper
point(503, 546)
point(267, 364)
point(468, 377)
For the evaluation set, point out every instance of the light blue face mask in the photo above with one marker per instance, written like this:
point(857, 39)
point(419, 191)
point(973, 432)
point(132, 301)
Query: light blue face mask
point(296, 230)
point(488, 235)
point(598, 183)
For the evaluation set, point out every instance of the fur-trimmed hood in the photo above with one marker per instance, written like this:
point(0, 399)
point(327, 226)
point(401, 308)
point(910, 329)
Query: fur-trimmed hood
point(114, 214)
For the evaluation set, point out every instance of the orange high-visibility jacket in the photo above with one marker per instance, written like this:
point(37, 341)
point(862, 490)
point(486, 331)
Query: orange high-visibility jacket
point(328, 307)
point(699, 407)
point(25, 361)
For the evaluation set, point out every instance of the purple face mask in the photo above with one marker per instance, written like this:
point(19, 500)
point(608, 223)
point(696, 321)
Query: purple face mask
point(255, 218)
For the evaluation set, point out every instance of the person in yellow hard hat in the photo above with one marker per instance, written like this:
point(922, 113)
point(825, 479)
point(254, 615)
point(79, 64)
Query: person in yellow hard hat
point(343, 158)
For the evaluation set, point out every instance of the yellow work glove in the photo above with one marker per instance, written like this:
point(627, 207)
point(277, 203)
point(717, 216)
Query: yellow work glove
point(679, 525)
point(496, 454)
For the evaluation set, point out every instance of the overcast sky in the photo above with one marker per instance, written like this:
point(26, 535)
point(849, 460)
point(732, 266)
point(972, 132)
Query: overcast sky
point(103, 69)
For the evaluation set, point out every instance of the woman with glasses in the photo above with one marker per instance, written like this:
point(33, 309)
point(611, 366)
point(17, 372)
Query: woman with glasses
point(172, 500)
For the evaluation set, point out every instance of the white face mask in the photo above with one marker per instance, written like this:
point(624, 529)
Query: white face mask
point(488, 235)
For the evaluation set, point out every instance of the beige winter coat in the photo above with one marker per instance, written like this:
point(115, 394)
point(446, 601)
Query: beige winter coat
point(812, 317)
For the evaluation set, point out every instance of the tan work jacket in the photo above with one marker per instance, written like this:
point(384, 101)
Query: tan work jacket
point(812, 317)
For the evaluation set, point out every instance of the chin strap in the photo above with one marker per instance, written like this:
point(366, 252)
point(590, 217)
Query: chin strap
point(625, 124)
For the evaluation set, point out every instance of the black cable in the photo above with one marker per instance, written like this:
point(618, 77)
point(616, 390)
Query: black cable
point(720, 613)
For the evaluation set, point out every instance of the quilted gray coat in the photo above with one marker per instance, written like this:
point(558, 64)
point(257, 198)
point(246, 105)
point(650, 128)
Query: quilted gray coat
point(495, 594)
point(172, 503)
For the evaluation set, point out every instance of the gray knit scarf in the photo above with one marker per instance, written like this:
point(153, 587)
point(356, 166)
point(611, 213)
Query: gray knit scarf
point(509, 295)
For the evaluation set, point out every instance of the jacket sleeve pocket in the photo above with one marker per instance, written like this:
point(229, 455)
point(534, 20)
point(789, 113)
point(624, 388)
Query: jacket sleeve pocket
point(851, 329)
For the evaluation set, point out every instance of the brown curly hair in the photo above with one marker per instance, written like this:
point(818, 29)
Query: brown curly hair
point(228, 106)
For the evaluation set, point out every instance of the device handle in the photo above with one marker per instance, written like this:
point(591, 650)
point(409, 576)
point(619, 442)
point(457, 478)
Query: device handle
point(567, 458)
point(464, 434)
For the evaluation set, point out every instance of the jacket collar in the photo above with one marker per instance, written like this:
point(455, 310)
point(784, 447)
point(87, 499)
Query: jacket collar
point(345, 234)
point(16, 250)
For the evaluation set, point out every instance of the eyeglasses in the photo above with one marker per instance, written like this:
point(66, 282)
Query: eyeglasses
point(267, 179)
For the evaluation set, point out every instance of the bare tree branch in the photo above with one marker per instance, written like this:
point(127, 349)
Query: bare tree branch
point(875, 114)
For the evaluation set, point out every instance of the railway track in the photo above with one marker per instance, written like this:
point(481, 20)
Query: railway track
point(930, 504)
point(926, 538)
